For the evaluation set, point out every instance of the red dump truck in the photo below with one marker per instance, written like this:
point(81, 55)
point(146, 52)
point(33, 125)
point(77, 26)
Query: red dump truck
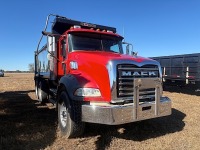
point(84, 71)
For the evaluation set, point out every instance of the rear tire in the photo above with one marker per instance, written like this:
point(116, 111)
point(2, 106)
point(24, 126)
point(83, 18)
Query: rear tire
point(69, 117)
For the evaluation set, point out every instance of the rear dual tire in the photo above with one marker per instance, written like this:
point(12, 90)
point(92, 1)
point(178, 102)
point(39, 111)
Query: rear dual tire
point(41, 91)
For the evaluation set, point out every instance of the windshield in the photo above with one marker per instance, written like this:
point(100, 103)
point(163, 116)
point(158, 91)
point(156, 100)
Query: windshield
point(95, 42)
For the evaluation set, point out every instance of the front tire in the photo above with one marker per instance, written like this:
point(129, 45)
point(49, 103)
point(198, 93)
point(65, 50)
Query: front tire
point(69, 117)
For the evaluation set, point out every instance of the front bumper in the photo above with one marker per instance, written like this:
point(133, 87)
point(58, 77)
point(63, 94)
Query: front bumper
point(121, 114)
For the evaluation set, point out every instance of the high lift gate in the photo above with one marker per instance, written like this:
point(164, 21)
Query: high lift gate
point(180, 70)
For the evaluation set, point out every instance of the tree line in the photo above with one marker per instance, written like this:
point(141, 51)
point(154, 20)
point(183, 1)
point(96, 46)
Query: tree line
point(31, 69)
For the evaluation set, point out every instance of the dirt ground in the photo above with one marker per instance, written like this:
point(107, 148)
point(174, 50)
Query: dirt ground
point(26, 124)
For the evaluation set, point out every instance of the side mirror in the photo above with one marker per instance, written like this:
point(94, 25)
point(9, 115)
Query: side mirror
point(129, 49)
point(134, 53)
point(63, 43)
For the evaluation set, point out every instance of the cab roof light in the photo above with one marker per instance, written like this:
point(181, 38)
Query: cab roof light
point(98, 30)
point(109, 31)
point(77, 27)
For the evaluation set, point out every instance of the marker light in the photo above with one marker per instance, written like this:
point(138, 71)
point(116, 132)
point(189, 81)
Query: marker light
point(87, 92)
point(77, 27)
point(74, 65)
point(109, 31)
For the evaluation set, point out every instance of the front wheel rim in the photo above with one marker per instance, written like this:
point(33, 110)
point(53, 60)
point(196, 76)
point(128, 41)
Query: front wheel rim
point(63, 115)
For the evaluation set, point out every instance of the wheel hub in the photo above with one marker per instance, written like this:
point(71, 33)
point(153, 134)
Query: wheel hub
point(63, 115)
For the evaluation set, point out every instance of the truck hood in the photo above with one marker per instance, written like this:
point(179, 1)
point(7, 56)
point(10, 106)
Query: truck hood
point(104, 57)
point(92, 71)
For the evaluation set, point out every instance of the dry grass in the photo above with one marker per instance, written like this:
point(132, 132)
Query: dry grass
point(26, 124)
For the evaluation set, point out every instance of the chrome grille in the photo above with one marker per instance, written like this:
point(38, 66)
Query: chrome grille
point(126, 75)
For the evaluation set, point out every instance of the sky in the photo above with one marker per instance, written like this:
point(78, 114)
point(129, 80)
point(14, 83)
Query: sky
point(154, 27)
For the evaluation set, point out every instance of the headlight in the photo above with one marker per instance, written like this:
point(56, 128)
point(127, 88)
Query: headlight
point(87, 92)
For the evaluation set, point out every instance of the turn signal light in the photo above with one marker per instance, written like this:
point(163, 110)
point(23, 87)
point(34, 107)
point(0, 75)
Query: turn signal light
point(74, 65)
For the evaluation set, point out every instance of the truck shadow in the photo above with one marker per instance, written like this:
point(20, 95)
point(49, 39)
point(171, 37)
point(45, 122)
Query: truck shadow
point(25, 123)
point(138, 131)
point(191, 90)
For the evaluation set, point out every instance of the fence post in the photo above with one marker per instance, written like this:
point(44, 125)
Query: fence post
point(187, 75)
point(164, 74)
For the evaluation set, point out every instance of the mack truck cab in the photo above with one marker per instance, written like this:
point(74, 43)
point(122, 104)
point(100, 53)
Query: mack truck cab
point(84, 71)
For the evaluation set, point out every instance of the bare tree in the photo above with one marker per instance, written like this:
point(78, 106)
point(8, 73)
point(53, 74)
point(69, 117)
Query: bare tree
point(31, 67)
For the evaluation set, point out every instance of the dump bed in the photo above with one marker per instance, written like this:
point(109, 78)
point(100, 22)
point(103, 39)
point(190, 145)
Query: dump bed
point(180, 69)
point(62, 24)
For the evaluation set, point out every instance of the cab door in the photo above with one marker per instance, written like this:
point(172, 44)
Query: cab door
point(63, 51)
